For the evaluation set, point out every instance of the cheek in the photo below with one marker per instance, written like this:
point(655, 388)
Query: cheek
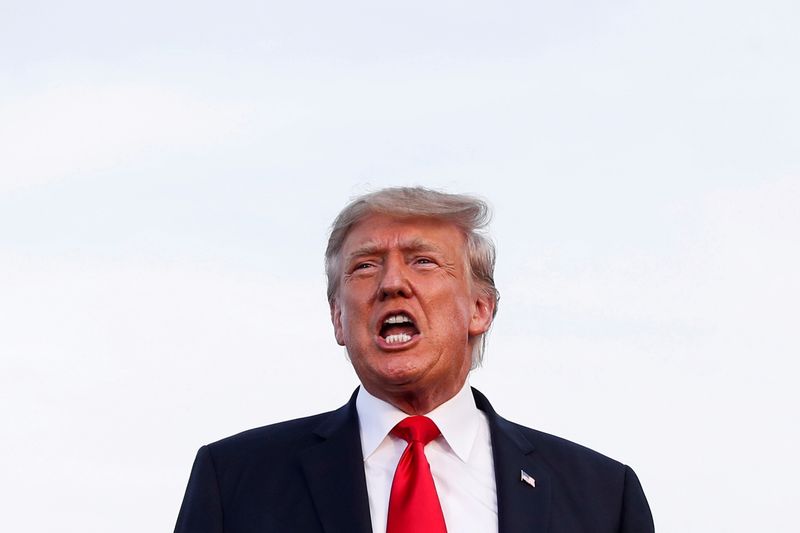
point(459, 311)
point(354, 322)
point(452, 322)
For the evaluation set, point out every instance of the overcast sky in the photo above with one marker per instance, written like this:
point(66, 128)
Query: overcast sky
point(169, 171)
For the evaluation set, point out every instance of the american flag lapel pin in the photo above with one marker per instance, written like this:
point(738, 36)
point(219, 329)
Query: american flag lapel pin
point(527, 478)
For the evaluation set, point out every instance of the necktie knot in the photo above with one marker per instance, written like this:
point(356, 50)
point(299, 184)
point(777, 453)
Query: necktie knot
point(416, 429)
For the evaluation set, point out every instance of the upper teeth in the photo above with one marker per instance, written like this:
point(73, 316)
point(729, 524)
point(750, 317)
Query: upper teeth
point(397, 319)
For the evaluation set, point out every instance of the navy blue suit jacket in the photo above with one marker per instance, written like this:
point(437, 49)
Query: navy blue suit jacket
point(307, 476)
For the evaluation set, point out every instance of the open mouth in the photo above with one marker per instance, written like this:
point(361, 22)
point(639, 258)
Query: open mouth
point(398, 328)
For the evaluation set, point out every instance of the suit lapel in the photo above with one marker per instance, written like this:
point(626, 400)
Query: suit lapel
point(334, 470)
point(520, 506)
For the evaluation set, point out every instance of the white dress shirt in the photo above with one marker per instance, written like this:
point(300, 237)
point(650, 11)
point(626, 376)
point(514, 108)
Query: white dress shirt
point(461, 461)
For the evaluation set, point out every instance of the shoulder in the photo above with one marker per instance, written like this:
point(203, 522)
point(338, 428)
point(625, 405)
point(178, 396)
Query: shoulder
point(259, 476)
point(260, 446)
point(592, 487)
point(564, 459)
point(587, 487)
point(285, 432)
point(561, 454)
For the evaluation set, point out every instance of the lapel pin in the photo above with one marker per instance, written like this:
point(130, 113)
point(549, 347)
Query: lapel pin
point(527, 478)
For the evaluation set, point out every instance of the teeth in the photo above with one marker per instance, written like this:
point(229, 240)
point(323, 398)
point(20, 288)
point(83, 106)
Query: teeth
point(400, 337)
point(397, 319)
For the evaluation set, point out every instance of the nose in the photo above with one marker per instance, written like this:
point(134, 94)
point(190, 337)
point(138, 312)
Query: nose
point(394, 280)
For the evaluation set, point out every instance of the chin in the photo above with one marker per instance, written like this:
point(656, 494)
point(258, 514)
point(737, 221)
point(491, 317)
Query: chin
point(397, 373)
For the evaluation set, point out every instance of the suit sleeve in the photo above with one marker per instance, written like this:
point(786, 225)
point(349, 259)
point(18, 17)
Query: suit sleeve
point(636, 516)
point(201, 510)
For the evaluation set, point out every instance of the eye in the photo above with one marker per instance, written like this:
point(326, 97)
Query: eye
point(424, 261)
point(362, 266)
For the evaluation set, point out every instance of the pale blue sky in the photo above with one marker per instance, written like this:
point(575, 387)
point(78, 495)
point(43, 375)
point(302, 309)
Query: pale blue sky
point(168, 172)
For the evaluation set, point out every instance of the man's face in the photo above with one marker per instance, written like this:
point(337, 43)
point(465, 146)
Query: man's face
point(407, 309)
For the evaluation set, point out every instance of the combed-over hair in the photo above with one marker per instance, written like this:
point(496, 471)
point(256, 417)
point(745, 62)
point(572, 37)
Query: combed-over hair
point(468, 213)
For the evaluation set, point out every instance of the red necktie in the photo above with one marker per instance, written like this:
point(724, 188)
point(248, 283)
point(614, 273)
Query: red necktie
point(413, 504)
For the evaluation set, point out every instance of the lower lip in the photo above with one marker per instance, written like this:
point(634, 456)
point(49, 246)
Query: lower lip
point(396, 346)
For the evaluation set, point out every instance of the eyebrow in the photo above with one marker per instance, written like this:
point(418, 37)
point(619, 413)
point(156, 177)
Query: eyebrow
point(376, 248)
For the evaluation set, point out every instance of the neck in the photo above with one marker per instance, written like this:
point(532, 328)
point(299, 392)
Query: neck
point(417, 402)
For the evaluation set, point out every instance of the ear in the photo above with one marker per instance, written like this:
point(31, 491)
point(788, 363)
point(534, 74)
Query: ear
point(336, 319)
point(482, 314)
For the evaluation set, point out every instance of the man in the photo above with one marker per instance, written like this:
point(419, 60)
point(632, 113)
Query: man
point(411, 293)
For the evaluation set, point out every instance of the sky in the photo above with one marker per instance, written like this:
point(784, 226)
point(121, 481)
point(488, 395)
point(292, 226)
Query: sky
point(169, 172)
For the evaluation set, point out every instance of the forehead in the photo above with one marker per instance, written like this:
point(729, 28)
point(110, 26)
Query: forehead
point(381, 232)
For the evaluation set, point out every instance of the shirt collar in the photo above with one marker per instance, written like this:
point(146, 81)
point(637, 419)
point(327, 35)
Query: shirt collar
point(457, 419)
